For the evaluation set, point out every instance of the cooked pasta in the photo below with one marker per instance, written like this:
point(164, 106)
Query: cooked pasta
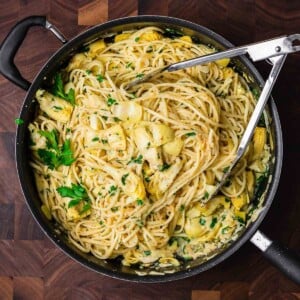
point(127, 172)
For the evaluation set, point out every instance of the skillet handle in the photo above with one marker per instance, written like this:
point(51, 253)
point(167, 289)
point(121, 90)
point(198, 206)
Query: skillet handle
point(280, 256)
point(12, 43)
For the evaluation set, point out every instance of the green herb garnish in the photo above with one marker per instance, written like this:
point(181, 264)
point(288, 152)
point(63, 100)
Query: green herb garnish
point(100, 78)
point(58, 90)
point(78, 195)
point(190, 134)
point(206, 195)
point(139, 202)
point(95, 139)
point(164, 167)
point(225, 229)
point(213, 222)
point(114, 209)
point(111, 101)
point(19, 121)
point(181, 208)
point(147, 252)
point(140, 75)
point(202, 221)
point(136, 160)
point(124, 177)
point(54, 155)
point(88, 72)
point(226, 169)
point(137, 39)
point(113, 189)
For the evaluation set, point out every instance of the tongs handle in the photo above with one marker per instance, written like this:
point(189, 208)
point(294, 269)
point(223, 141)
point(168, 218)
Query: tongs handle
point(276, 54)
point(257, 51)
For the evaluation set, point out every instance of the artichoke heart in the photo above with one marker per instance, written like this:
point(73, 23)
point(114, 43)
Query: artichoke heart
point(56, 108)
point(128, 111)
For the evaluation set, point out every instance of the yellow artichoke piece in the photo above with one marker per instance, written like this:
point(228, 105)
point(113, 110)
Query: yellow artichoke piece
point(56, 108)
point(186, 38)
point(96, 48)
point(162, 180)
point(174, 147)
point(122, 36)
point(131, 184)
point(128, 111)
point(259, 141)
point(250, 178)
point(112, 138)
point(161, 134)
point(240, 201)
point(223, 62)
point(46, 211)
point(150, 36)
point(194, 229)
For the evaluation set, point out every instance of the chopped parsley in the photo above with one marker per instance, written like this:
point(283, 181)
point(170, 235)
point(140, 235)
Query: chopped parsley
point(111, 101)
point(172, 33)
point(149, 49)
point(104, 141)
point(128, 65)
point(147, 252)
point(192, 133)
point(140, 75)
point(113, 189)
point(226, 169)
point(202, 221)
point(78, 195)
point(225, 230)
point(206, 195)
point(164, 167)
point(136, 160)
point(181, 208)
point(137, 39)
point(117, 119)
point(57, 107)
point(59, 91)
point(95, 139)
point(88, 72)
point(114, 209)
point(100, 78)
point(139, 202)
point(55, 155)
point(124, 177)
point(213, 222)
point(19, 121)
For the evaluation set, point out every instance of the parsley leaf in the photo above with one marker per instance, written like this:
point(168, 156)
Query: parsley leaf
point(213, 222)
point(111, 101)
point(140, 75)
point(147, 252)
point(58, 90)
point(78, 195)
point(164, 167)
point(19, 121)
point(137, 160)
point(100, 78)
point(139, 201)
point(190, 134)
point(55, 156)
point(124, 177)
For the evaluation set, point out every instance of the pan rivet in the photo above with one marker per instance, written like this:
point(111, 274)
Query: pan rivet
point(278, 49)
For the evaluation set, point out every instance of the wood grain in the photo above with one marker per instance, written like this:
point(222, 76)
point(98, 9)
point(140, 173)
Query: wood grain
point(31, 267)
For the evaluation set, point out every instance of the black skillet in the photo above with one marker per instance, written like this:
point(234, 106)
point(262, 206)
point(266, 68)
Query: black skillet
point(284, 259)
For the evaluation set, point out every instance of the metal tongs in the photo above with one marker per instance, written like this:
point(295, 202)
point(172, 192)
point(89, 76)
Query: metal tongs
point(273, 50)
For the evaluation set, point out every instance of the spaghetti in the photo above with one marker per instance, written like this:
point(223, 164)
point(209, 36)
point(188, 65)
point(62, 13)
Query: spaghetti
point(128, 172)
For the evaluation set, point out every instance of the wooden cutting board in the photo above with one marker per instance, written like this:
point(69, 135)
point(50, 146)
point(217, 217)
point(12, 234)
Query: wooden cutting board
point(31, 267)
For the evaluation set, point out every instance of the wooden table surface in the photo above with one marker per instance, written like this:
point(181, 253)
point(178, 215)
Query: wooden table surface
point(31, 267)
